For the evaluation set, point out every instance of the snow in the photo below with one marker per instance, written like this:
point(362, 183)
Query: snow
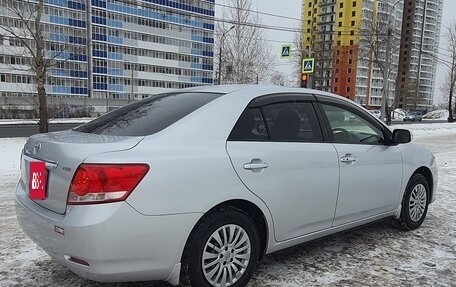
point(399, 114)
point(437, 115)
point(378, 254)
point(52, 121)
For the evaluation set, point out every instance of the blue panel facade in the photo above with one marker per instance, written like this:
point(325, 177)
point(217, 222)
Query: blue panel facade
point(153, 26)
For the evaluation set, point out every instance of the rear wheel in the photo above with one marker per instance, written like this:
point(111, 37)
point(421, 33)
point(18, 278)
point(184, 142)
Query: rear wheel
point(415, 202)
point(223, 250)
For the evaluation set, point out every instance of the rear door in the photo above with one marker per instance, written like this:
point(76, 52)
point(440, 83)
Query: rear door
point(279, 153)
point(370, 169)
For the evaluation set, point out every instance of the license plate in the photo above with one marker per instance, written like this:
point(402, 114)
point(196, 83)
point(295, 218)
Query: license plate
point(37, 180)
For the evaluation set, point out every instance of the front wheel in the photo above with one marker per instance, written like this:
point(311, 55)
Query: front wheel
point(415, 202)
point(223, 250)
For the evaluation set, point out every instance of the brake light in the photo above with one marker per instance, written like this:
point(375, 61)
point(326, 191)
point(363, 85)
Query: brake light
point(101, 183)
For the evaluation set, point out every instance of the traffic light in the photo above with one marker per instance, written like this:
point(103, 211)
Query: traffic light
point(304, 81)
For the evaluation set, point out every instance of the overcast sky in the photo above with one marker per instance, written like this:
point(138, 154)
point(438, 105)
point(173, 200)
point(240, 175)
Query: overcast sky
point(292, 8)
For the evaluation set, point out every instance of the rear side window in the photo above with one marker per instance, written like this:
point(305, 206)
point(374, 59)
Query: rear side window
point(148, 116)
point(249, 127)
point(292, 122)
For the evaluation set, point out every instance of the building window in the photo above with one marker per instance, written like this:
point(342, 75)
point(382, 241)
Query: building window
point(352, 32)
point(352, 23)
point(340, 24)
point(353, 13)
point(348, 89)
point(350, 61)
point(349, 70)
point(340, 14)
point(351, 42)
point(354, 3)
point(348, 81)
point(341, 5)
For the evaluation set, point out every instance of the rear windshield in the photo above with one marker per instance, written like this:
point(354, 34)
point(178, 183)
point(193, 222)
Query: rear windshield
point(147, 116)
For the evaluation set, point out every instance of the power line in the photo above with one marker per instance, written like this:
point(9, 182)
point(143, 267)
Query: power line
point(258, 12)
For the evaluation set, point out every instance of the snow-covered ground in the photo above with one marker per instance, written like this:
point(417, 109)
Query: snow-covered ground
point(375, 255)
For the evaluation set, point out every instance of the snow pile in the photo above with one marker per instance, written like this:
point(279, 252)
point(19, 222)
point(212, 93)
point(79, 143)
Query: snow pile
point(434, 129)
point(398, 114)
point(437, 115)
point(376, 255)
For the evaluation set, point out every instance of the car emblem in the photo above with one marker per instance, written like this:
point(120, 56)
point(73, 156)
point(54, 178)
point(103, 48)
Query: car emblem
point(36, 148)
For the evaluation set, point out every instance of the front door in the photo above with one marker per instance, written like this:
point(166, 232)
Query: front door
point(370, 170)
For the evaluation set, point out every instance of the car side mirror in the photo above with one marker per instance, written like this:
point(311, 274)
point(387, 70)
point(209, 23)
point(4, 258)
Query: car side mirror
point(401, 136)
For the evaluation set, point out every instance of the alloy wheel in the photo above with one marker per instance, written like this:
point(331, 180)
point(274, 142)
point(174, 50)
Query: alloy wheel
point(226, 255)
point(417, 202)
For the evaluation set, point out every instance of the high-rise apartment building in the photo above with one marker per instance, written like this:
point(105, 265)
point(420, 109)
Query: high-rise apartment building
point(419, 45)
point(116, 48)
point(340, 35)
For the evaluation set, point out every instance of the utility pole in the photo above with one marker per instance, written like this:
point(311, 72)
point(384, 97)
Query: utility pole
point(132, 84)
point(385, 108)
point(222, 38)
point(450, 104)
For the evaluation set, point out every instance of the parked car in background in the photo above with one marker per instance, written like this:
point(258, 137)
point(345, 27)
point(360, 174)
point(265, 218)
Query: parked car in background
point(376, 113)
point(197, 185)
point(413, 116)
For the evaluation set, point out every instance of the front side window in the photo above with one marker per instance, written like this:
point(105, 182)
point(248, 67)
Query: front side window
point(350, 128)
point(292, 122)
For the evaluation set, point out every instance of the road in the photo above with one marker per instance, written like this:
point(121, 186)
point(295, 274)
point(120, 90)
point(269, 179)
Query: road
point(26, 130)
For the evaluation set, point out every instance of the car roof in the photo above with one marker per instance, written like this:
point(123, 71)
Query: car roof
point(258, 89)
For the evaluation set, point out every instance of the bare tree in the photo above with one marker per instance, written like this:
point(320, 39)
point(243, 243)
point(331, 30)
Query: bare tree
point(25, 29)
point(245, 55)
point(279, 79)
point(298, 55)
point(450, 82)
point(380, 44)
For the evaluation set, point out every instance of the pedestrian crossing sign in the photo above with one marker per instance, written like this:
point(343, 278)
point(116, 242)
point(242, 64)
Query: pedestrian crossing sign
point(285, 52)
point(308, 66)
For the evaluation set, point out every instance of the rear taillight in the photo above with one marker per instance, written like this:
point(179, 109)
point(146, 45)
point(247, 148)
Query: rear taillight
point(101, 183)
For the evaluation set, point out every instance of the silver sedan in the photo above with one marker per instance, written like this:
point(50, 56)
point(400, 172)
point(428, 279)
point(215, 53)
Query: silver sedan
point(196, 186)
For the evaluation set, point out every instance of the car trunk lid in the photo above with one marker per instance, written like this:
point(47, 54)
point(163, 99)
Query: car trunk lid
point(63, 152)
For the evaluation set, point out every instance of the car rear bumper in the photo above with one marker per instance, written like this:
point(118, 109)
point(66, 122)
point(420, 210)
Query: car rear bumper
point(118, 243)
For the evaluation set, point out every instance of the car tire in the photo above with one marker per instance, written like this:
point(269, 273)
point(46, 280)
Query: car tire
point(415, 203)
point(217, 237)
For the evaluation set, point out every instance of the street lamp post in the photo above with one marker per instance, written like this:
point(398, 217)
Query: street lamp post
point(131, 96)
point(220, 54)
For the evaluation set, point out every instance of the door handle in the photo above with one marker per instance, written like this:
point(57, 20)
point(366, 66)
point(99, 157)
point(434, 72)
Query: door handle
point(348, 158)
point(256, 165)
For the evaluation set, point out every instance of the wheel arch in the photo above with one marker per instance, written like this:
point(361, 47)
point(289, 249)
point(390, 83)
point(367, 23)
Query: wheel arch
point(252, 210)
point(426, 172)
